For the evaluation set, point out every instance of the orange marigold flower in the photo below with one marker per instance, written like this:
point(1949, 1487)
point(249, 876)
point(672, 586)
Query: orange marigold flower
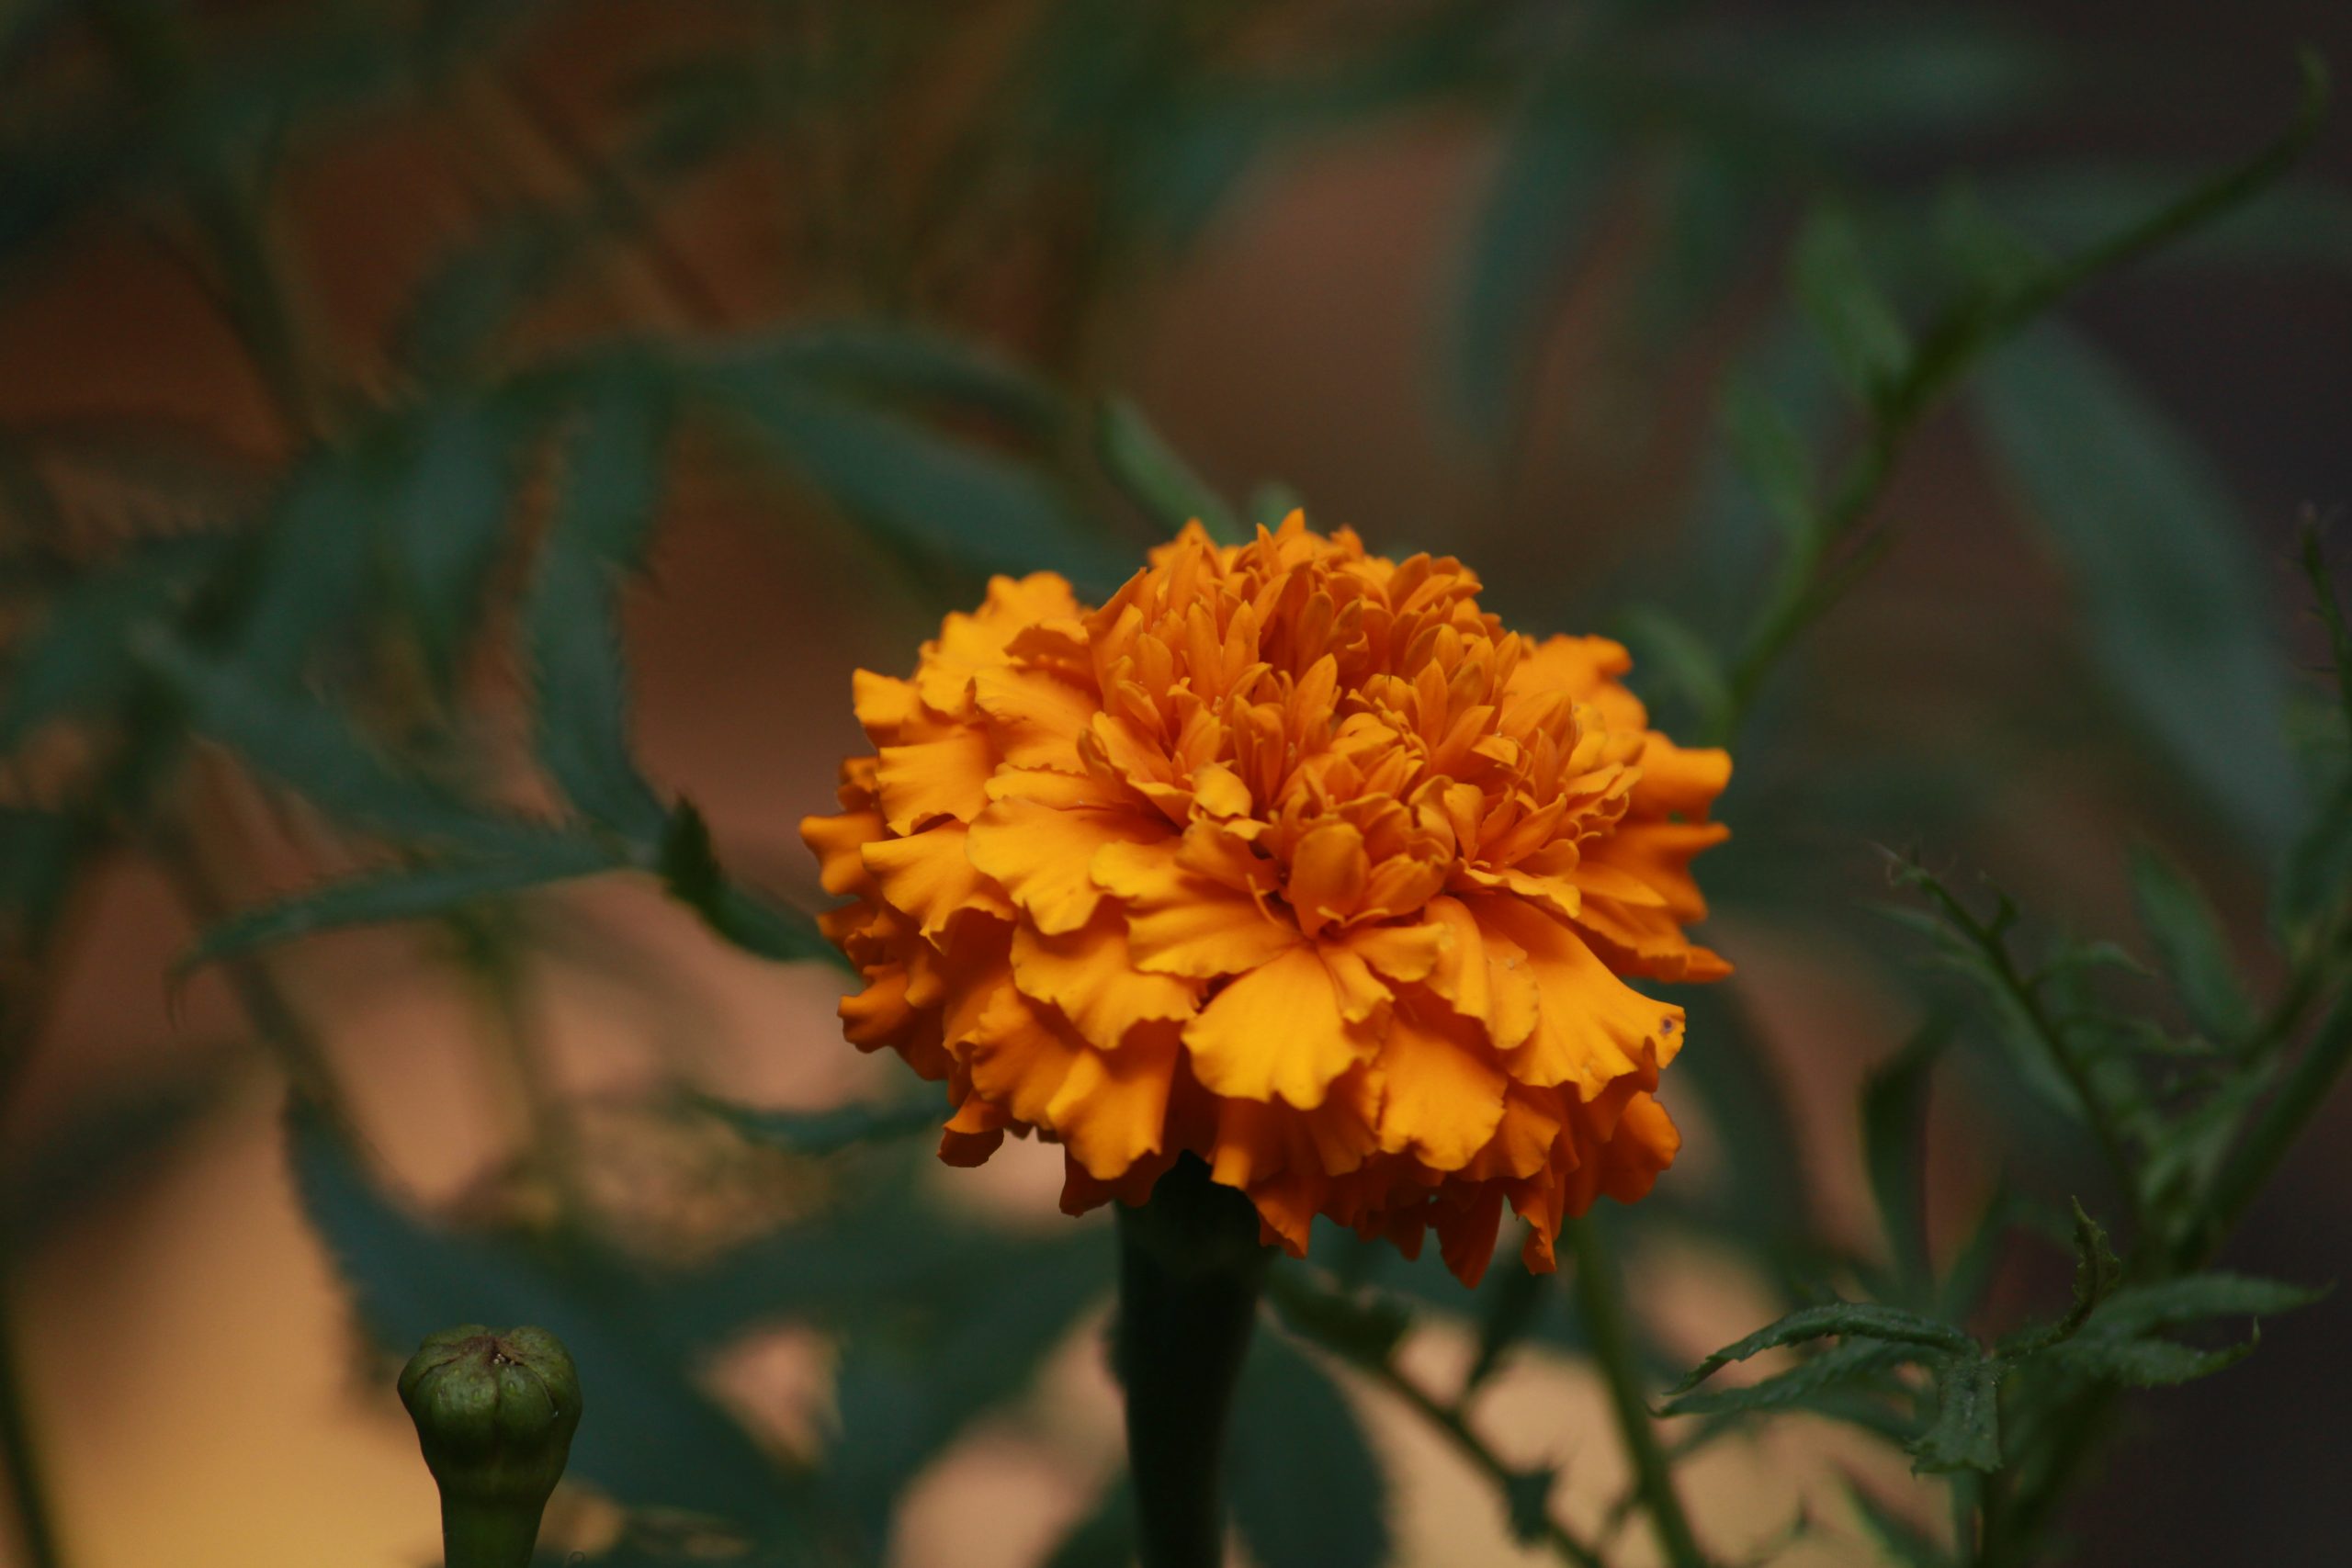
point(1292, 857)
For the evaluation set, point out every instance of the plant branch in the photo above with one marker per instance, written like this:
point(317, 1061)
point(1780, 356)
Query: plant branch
point(1599, 1298)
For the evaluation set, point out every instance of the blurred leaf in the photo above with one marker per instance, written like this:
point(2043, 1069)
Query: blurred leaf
point(99, 1146)
point(1894, 1126)
point(80, 657)
point(2314, 874)
point(2179, 622)
point(1362, 1327)
point(1970, 1279)
point(1832, 279)
point(974, 1340)
point(1773, 458)
point(1542, 208)
point(2149, 1362)
point(818, 1133)
point(689, 868)
point(1155, 476)
point(1966, 1431)
point(2191, 945)
point(1307, 1490)
point(39, 854)
point(310, 571)
point(448, 520)
point(610, 492)
point(654, 1437)
point(2197, 1298)
point(2068, 206)
point(1512, 1299)
point(408, 894)
point(1874, 78)
point(314, 751)
point(953, 498)
point(899, 365)
point(1665, 645)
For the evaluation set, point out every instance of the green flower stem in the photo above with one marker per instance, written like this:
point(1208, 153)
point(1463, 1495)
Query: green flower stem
point(2281, 1123)
point(1190, 1271)
point(480, 1535)
point(494, 1416)
point(1612, 1349)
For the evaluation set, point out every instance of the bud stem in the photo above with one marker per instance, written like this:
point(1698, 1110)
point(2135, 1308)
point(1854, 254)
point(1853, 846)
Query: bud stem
point(487, 1535)
point(1190, 1271)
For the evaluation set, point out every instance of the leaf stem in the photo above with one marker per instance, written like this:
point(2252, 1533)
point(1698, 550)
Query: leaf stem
point(1610, 1336)
point(1190, 1271)
point(28, 1488)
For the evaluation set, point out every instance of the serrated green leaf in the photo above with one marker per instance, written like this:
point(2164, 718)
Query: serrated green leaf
point(1866, 340)
point(1155, 476)
point(1773, 457)
point(2195, 1298)
point(883, 360)
point(1966, 1431)
point(410, 893)
point(610, 493)
point(1295, 1437)
point(313, 750)
point(2149, 1362)
point(1869, 1320)
point(2189, 944)
point(2178, 617)
point(688, 866)
point(1895, 1128)
point(1853, 1363)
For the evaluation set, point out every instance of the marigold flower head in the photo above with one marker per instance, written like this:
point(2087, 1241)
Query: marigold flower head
point(1292, 857)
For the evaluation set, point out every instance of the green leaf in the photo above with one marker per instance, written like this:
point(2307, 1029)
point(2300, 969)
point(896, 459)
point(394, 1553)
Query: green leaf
point(1295, 1438)
point(310, 577)
point(839, 1127)
point(2191, 945)
point(2197, 1298)
point(2069, 206)
point(447, 520)
point(1966, 1431)
point(1362, 1326)
point(1894, 1127)
point(656, 1438)
point(80, 657)
point(1513, 1298)
point(409, 893)
point(611, 490)
point(1773, 457)
point(314, 750)
point(897, 364)
point(1155, 476)
point(689, 869)
point(1854, 1363)
point(1832, 279)
point(1867, 1320)
point(2149, 1362)
point(1541, 210)
point(1664, 645)
point(2178, 616)
point(952, 499)
point(1875, 78)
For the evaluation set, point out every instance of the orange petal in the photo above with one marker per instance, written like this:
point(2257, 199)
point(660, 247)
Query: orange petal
point(1483, 977)
point(1112, 1109)
point(1278, 1032)
point(927, 876)
point(836, 841)
point(1034, 717)
point(1441, 1092)
point(1039, 854)
point(932, 778)
point(1327, 872)
point(1087, 975)
point(1591, 1026)
point(1679, 779)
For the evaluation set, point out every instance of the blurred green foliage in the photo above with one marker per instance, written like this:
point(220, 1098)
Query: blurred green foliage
point(470, 484)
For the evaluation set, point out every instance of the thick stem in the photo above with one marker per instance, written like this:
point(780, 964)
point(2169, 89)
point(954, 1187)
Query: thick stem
point(487, 1535)
point(1190, 1270)
point(1612, 1347)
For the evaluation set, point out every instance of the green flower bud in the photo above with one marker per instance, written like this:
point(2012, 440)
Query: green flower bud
point(494, 1414)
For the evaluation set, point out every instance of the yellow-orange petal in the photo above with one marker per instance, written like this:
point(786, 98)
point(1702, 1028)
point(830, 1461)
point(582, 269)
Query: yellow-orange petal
point(1112, 1108)
point(1088, 976)
point(1442, 1090)
point(1034, 717)
point(1040, 854)
point(1482, 979)
point(933, 779)
point(1591, 1026)
point(1278, 1032)
point(1327, 871)
point(837, 841)
point(929, 877)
